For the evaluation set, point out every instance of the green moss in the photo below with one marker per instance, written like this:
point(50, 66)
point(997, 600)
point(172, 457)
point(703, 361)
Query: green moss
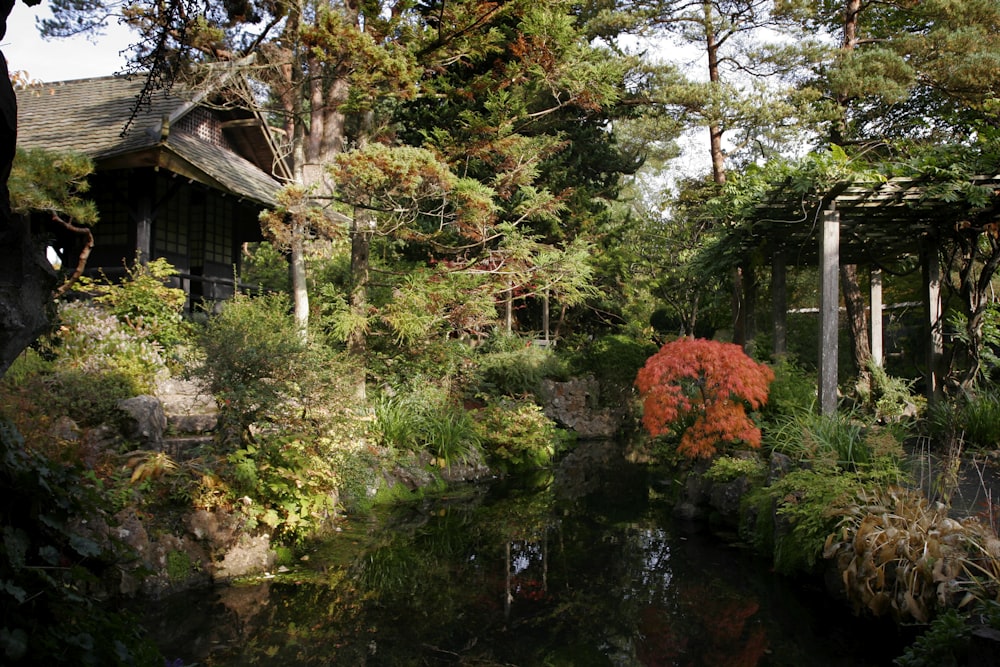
point(179, 566)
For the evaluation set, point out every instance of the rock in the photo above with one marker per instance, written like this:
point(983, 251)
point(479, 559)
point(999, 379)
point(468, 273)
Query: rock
point(251, 554)
point(984, 647)
point(725, 497)
point(217, 529)
point(144, 420)
point(576, 405)
point(64, 429)
point(779, 466)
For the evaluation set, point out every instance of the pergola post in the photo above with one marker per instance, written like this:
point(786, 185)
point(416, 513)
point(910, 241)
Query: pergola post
point(829, 305)
point(779, 302)
point(935, 341)
point(878, 353)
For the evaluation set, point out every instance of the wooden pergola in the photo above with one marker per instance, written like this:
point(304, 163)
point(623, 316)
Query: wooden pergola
point(868, 224)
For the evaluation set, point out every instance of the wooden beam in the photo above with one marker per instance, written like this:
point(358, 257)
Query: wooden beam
point(829, 306)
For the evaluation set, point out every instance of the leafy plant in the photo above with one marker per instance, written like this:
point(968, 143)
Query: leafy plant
point(728, 468)
point(884, 396)
point(807, 502)
point(143, 301)
point(289, 481)
point(703, 386)
point(516, 434)
point(614, 360)
point(793, 390)
point(518, 371)
point(254, 359)
point(48, 615)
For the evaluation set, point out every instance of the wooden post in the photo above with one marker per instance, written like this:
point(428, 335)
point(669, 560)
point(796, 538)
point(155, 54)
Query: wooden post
point(935, 342)
point(749, 305)
point(878, 354)
point(779, 302)
point(829, 305)
point(143, 211)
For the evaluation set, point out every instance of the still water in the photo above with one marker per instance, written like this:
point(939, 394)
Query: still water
point(548, 573)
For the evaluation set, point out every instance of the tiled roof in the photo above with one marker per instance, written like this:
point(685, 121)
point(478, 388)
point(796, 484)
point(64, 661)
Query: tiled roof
point(88, 115)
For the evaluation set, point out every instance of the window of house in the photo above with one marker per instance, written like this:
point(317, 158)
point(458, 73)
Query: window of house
point(171, 235)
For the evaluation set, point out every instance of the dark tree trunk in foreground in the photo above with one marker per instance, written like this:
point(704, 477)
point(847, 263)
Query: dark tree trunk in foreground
point(26, 278)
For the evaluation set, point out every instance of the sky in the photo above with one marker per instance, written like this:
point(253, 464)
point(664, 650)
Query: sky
point(59, 59)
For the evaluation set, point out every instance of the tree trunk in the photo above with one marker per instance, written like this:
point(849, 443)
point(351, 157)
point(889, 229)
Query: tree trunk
point(715, 128)
point(26, 278)
point(857, 319)
point(357, 343)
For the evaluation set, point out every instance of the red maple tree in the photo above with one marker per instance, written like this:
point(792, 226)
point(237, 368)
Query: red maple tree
point(703, 387)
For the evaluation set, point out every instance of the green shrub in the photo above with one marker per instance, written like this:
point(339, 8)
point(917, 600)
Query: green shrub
point(518, 372)
point(143, 301)
point(28, 365)
point(290, 482)
point(727, 468)
point(883, 396)
point(792, 391)
point(614, 360)
point(254, 359)
point(807, 501)
point(95, 362)
point(265, 267)
point(48, 614)
point(516, 434)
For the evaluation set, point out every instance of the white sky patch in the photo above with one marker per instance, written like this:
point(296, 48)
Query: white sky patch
point(64, 58)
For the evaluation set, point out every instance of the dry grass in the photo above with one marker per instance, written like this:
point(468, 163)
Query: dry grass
point(901, 554)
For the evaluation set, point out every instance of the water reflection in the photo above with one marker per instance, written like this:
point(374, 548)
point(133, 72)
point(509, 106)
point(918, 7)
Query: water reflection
point(523, 577)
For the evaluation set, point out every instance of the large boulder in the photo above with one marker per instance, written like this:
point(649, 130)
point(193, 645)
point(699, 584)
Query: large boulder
point(144, 420)
point(575, 404)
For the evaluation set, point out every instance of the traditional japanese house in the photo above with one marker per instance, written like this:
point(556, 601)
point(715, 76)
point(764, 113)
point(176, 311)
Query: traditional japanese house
point(185, 180)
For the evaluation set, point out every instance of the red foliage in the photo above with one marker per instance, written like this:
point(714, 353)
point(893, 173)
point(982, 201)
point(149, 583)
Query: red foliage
point(708, 382)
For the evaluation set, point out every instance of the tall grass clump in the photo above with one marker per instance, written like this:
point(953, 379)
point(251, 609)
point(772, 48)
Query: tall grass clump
point(427, 418)
point(839, 439)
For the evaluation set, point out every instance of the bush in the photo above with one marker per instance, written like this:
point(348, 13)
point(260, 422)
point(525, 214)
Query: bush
point(253, 359)
point(883, 396)
point(793, 390)
point(518, 371)
point(48, 615)
point(290, 482)
point(699, 389)
point(516, 434)
point(614, 360)
point(144, 302)
point(87, 364)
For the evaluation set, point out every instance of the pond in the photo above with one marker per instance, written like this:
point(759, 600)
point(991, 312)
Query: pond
point(550, 572)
